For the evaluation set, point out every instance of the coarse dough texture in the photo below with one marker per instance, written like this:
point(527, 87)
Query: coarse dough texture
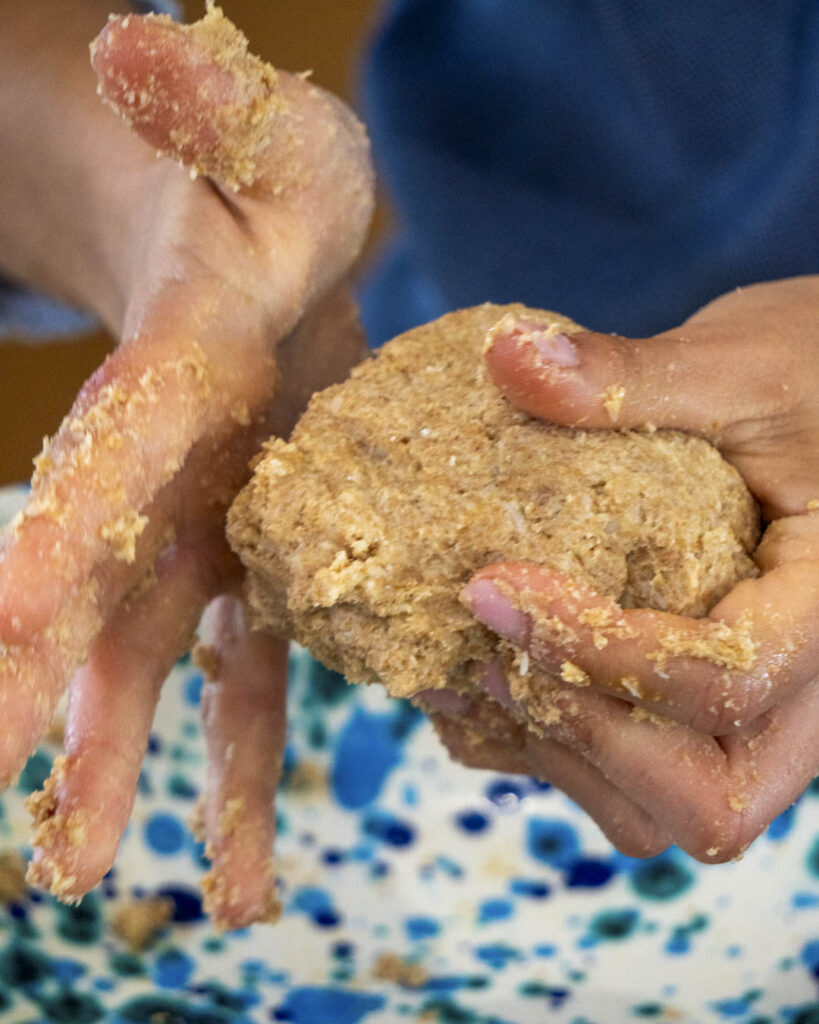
point(401, 482)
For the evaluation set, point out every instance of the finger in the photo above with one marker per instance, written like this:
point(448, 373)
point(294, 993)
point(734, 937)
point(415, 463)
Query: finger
point(34, 674)
point(479, 735)
point(195, 93)
point(95, 480)
point(243, 708)
point(675, 379)
point(83, 809)
point(193, 90)
point(712, 797)
point(717, 674)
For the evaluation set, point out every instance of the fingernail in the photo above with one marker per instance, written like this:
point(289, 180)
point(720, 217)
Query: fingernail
point(495, 610)
point(553, 346)
point(494, 682)
point(448, 702)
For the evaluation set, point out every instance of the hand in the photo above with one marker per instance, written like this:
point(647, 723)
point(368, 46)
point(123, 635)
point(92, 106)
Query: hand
point(694, 732)
point(231, 312)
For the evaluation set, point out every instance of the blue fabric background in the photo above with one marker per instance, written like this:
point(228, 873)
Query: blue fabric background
point(621, 161)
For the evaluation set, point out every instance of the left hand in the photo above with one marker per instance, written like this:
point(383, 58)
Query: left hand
point(229, 301)
point(695, 732)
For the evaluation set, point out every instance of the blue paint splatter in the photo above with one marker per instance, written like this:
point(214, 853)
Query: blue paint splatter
point(495, 910)
point(193, 690)
point(552, 841)
point(164, 834)
point(66, 970)
point(389, 829)
point(472, 821)
point(421, 927)
point(498, 955)
point(172, 968)
point(588, 873)
point(781, 826)
point(369, 747)
point(736, 1007)
point(533, 888)
point(506, 793)
point(317, 904)
point(810, 957)
point(187, 903)
point(313, 1005)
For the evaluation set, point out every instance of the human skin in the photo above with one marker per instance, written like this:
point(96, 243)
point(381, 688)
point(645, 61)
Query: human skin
point(230, 310)
point(182, 269)
point(734, 745)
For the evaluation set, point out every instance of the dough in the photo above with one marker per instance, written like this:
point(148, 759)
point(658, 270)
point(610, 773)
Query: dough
point(401, 482)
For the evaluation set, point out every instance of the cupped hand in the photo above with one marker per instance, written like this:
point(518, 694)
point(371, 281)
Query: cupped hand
point(231, 310)
point(669, 729)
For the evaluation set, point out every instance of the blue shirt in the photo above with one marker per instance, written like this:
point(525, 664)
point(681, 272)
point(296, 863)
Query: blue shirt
point(620, 161)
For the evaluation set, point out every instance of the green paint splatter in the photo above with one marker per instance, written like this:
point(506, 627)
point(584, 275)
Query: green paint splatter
point(70, 1007)
point(24, 928)
point(663, 878)
point(614, 925)
point(81, 923)
point(6, 999)
point(36, 771)
point(812, 859)
point(808, 1014)
point(127, 965)
point(213, 945)
point(317, 735)
point(324, 686)
point(180, 786)
point(152, 1008)
point(540, 990)
point(448, 1012)
point(23, 965)
point(648, 1010)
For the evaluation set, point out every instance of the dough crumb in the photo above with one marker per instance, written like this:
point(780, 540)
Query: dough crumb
point(398, 969)
point(571, 673)
point(12, 876)
point(139, 921)
point(613, 401)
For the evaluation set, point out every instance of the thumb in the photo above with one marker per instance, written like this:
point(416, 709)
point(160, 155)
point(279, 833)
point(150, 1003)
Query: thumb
point(580, 378)
point(197, 94)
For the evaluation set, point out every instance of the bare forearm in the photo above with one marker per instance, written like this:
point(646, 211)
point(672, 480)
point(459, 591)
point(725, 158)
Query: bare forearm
point(69, 171)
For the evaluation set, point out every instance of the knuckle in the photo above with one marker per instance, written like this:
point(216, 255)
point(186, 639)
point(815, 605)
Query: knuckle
point(715, 834)
point(730, 703)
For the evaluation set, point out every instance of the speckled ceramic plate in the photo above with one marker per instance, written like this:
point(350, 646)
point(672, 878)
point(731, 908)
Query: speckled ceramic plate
point(414, 890)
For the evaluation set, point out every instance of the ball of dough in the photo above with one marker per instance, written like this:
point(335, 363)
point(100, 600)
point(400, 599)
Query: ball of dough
point(401, 482)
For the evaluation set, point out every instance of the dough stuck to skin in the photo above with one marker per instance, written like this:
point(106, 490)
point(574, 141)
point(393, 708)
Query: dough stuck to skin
point(401, 482)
